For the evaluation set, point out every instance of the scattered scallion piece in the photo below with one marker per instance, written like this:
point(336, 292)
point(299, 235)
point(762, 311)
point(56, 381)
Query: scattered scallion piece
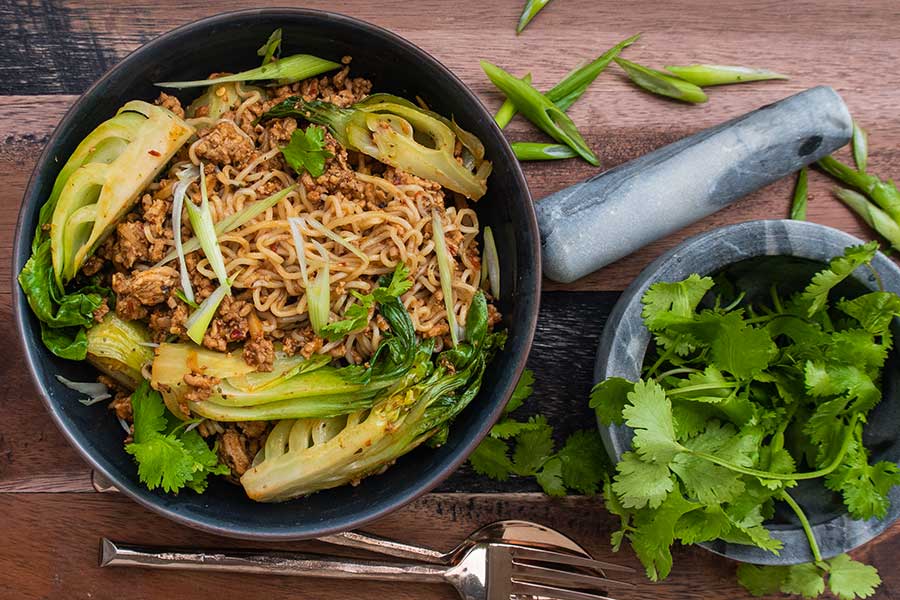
point(284, 70)
point(446, 274)
point(199, 321)
point(492, 261)
point(532, 8)
point(662, 84)
point(318, 294)
point(572, 86)
point(874, 217)
point(189, 301)
point(185, 177)
point(541, 151)
point(883, 193)
point(860, 147)
point(565, 93)
point(798, 207)
point(707, 75)
point(202, 224)
point(538, 109)
point(507, 110)
point(96, 392)
point(337, 239)
point(271, 48)
point(299, 246)
point(234, 221)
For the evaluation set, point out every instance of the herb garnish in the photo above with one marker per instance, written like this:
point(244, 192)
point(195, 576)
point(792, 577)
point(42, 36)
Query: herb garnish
point(306, 151)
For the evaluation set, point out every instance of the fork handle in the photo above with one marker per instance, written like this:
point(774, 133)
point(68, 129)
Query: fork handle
point(374, 543)
point(113, 554)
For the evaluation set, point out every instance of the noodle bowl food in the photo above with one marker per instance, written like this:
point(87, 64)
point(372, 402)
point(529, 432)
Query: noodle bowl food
point(282, 282)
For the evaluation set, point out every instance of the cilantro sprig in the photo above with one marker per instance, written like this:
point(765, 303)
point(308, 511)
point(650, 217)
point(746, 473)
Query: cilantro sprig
point(306, 151)
point(168, 456)
point(738, 402)
point(526, 449)
point(357, 315)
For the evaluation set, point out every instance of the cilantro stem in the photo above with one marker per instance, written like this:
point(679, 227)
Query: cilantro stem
point(804, 522)
point(834, 464)
point(662, 358)
point(736, 301)
point(876, 276)
point(702, 386)
point(776, 301)
point(678, 371)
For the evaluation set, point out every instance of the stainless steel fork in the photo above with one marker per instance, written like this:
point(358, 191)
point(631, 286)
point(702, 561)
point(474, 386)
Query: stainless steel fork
point(484, 572)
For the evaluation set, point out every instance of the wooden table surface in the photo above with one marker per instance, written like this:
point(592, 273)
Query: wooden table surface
point(51, 50)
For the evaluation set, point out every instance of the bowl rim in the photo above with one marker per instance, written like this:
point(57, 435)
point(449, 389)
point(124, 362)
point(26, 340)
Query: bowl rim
point(530, 296)
point(836, 535)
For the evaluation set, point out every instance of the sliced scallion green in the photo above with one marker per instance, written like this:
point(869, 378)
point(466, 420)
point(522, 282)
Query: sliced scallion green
point(284, 70)
point(572, 86)
point(492, 260)
point(707, 75)
point(532, 8)
point(185, 177)
point(204, 229)
point(798, 206)
point(234, 221)
point(662, 84)
point(199, 321)
point(507, 110)
point(860, 147)
point(299, 246)
point(538, 109)
point(318, 293)
point(271, 48)
point(446, 274)
point(874, 217)
point(541, 151)
point(883, 193)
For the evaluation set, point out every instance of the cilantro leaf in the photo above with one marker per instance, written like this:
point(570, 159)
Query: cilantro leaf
point(850, 579)
point(357, 315)
point(533, 447)
point(491, 458)
point(609, 398)
point(761, 580)
point(702, 525)
point(874, 310)
point(668, 303)
point(638, 483)
point(741, 349)
point(510, 428)
point(168, 460)
point(650, 415)
point(805, 579)
point(815, 296)
point(583, 461)
point(708, 483)
point(829, 379)
point(654, 533)
point(522, 392)
point(306, 151)
point(550, 477)
point(864, 487)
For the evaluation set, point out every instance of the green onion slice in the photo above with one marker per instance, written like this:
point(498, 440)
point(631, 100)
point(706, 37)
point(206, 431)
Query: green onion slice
point(446, 272)
point(199, 321)
point(299, 246)
point(185, 177)
point(202, 224)
point(492, 260)
point(284, 70)
point(318, 293)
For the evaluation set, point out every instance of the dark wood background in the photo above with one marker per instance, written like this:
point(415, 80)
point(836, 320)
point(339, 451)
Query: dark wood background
point(51, 519)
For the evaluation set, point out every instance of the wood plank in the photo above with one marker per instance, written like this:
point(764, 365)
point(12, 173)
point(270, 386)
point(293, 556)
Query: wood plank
point(38, 523)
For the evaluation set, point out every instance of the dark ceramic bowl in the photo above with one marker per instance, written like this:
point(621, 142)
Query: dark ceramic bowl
point(760, 253)
point(228, 42)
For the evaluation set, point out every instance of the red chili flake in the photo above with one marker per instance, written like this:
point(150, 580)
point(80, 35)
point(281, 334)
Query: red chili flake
point(236, 334)
point(154, 153)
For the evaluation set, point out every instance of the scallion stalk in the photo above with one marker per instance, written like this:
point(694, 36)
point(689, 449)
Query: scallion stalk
point(541, 151)
point(660, 83)
point(874, 217)
point(318, 294)
point(798, 206)
point(492, 260)
point(446, 274)
point(202, 224)
point(707, 75)
point(299, 246)
point(507, 110)
point(185, 177)
point(284, 70)
point(199, 321)
point(530, 11)
point(860, 147)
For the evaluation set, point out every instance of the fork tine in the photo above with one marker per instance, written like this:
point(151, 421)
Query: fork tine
point(549, 556)
point(536, 574)
point(550, 592)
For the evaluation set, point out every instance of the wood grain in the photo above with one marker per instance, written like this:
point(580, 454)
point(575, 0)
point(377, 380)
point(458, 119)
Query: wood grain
point(52, 50)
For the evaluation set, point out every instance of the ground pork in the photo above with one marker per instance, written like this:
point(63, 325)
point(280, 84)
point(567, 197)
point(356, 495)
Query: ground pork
point(142, 289)
point(200, 386)
point(240, 443)
point(101, 311)
point(230, 325)
point(171, 103)
point(259, 352)
point(224, 145)
point(131, 245)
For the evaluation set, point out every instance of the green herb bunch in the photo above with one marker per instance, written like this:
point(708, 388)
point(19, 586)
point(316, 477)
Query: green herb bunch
point(739, 402)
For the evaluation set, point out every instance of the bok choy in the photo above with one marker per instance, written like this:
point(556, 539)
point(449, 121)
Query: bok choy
point(399, 133)
point(295, 388)
point(118, 349)
point(97, 185)
point(306, 455)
